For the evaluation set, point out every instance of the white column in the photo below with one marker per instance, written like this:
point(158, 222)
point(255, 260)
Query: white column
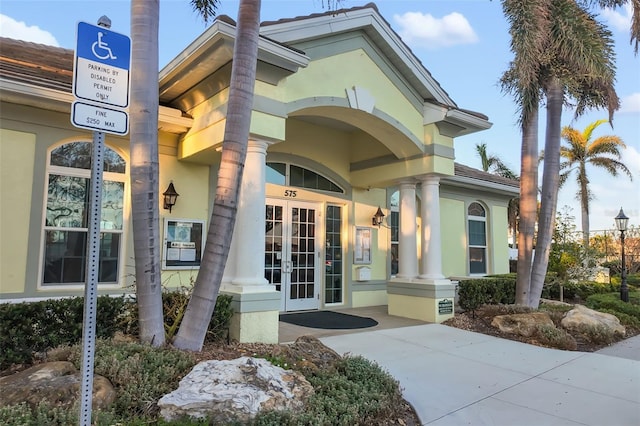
point(431, 243)
point(249, 235)
point(407, 242)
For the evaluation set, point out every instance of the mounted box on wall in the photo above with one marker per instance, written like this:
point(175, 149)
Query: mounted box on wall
point(363, 273)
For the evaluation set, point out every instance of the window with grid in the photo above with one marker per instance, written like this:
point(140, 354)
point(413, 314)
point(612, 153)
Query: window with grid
point(65, 233)
point(289, 174)
point(477, 223)
point(333, 261)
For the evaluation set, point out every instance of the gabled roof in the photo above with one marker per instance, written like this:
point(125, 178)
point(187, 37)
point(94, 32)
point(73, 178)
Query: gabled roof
point(465, 176)
point(365, 18)
point(42, 76)
point(31, 71)
point(46, 66)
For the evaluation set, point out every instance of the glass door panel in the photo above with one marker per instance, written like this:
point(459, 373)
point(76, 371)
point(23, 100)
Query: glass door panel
point(291, 253)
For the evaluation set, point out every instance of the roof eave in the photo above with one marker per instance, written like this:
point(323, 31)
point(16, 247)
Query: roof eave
point(213, 49)
point(471, 183)
point(169, 119)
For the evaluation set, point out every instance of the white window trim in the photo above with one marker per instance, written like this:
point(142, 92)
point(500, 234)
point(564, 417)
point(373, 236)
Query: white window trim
point(486, 236)
point(83, 173)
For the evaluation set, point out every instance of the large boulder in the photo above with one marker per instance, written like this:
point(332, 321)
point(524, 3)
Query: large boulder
point(237, 389)
point(526, 324)
point(580, 317)
point(309, 354)
point(55, 382)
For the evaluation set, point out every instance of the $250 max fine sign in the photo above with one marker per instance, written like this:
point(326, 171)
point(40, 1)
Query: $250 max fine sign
point(101, 79)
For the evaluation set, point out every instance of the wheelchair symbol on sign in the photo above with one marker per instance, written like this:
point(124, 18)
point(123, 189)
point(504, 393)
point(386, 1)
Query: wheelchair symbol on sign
point(102, 47)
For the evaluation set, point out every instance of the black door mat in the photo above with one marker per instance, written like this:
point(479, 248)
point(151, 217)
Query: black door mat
point(328, 320)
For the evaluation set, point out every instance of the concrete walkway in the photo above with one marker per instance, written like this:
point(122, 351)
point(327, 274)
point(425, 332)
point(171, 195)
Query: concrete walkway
point(456, 377)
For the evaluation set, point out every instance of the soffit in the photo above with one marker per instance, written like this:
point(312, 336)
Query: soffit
point(212, 50)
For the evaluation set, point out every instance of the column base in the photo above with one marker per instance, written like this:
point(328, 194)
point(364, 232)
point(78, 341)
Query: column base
point(422, 299)
point(256, 313)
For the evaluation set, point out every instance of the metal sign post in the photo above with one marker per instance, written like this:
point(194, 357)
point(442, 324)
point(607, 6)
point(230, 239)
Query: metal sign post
point(100, 77)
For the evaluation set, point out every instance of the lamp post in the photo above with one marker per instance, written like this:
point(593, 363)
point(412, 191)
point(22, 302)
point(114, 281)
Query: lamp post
point(621, 224)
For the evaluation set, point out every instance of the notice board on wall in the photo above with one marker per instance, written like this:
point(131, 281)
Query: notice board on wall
point(183, 243)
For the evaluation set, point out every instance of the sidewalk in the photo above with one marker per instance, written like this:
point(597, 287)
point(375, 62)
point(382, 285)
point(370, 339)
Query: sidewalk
point(456, 377)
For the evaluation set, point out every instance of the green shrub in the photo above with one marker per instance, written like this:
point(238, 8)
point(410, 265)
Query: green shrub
point(612, 302)
point(43, 414)
point(576, 290)
point(474, 293)
point(141, 374)
point(627, 320)
point(553, 337)
point(32, 327)
point(598, 334)
point(174, 305)
point(358, 392)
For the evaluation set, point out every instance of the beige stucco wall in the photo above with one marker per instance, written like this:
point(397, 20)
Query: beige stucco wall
point(17, 151)
point(366, 204)
point(355, 68)
point(191, 181)
point(454, 238)
point(498, 231)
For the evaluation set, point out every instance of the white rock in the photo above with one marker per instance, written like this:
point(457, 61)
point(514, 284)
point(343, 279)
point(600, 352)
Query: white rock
point(240, 388)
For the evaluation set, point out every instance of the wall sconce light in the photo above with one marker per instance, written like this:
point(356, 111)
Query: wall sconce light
point(170, 197)
point(377, 218)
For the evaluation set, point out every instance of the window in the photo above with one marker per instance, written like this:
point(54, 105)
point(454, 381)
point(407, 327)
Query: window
point(333, 262)
point(289, 174)
point(394, 222)
point(476, 216)
point(67, 210)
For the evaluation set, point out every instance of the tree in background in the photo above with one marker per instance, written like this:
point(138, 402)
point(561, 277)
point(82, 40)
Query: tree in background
point(560, 50)
point(493, 164)
point(602, 152)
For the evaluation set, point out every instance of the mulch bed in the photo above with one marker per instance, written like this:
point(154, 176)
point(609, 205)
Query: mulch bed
point(480, 322)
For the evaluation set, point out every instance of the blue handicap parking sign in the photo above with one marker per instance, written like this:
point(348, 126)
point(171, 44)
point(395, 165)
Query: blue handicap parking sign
point(99, 44)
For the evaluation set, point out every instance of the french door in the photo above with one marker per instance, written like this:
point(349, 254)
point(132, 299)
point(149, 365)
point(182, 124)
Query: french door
point(292, 253)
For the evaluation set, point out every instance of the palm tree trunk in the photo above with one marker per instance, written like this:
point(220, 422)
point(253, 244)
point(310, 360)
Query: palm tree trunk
point(584, 204)
point(550, 185)
point(528, 205)
point(144, 168)
point(234, 149)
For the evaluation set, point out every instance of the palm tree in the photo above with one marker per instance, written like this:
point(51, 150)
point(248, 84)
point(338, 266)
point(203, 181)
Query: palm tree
point(559, 50)
point(603, 152)
point(493, 164)
point(635, 19)
point(144, 169)
point(145, 162)
point(234, 149)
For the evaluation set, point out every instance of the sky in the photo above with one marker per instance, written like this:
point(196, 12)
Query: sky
point(464, 44)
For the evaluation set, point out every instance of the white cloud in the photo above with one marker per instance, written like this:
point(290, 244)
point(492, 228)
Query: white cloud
point(433, 33)
point(619, 18)
point(11, 28)
point(631, 158)
point(630, 103)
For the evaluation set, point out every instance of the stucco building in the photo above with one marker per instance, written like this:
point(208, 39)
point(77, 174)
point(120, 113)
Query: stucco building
point(346, 122)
